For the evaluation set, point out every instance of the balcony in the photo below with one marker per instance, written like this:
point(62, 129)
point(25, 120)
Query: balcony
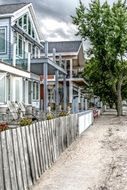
point(10, 57)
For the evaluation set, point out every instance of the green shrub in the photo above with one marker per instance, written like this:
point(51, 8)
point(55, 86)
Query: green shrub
point(63, 113)
point(49, 116)
point(25, 121)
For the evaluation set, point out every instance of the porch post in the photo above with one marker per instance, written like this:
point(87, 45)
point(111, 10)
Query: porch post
point(14, 54)
point(13, 88)
point(70, 92)
point(29, 55)
point(54, 55)
point(45, 69)
point(82, 103)
point(79, 98)
point(46, 49)
point(86, 106)
point(60, 60)
point(65, 94)
point(71, 68)
point(56, 89)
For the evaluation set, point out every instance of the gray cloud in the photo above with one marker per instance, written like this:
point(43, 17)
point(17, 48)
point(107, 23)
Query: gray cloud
point(58, 10)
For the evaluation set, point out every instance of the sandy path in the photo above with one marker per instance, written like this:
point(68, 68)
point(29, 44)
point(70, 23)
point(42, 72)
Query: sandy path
point(96, 161)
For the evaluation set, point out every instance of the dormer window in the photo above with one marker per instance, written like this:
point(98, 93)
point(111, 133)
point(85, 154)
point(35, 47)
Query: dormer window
point(26, 24)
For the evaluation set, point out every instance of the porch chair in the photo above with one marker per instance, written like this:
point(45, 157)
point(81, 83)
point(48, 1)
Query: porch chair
point(4, 113)
point(28, 111)
point(14, 113)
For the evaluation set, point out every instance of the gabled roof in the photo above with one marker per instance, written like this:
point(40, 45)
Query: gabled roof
point(65, 46)
point(11, 8)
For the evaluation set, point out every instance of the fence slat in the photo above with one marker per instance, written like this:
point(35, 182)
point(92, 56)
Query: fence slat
point(17, 159)
point(2, 187)
point(52, 140)
point(11, 160)
point(44, 145)
point(33, 151)
point(39, 147)
point(49, 141)
point(57, 137)
point(36, 149)
point(7, 182)
point(22, 161)
point(26, 158)
point(30, 155)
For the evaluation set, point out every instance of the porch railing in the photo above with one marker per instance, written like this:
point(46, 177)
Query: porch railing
point(19, 60)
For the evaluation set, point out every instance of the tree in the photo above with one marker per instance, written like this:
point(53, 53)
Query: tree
point(105, 27)
point(101, 85)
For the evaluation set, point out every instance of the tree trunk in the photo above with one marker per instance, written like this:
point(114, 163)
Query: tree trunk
point(119, 100)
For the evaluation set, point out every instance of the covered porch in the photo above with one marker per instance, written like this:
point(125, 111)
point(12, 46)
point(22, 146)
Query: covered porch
point(46, 68)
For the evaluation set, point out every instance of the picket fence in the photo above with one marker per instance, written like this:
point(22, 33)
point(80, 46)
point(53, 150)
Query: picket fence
point(26, 152)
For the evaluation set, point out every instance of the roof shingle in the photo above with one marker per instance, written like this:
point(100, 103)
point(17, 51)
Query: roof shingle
point(64, 46)
point(11, 8)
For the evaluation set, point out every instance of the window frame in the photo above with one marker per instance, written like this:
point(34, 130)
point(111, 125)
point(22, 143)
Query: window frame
point(5, 29)
point(35, 91)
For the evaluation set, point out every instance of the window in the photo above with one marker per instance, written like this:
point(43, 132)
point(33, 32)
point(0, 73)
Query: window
point(20, 46)
point(35, 91)
point(29, 47)
point(29, 27)
point(20, 22)
point(2, 40)
point(36, 52)
point(25, 22)
point(33, 34)
point(33, 51)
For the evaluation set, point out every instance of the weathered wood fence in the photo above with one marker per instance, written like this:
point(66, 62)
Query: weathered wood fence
point(26, 152)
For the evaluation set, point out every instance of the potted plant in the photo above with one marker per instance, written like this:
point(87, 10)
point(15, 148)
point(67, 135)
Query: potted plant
point(3, 126)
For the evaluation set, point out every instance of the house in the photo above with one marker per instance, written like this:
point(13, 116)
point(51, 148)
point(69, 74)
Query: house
point(20, 38)
point(20, 61)
point(71, 55)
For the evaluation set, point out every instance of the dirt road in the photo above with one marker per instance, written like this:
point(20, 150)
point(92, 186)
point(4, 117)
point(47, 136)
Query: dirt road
point(96, 161)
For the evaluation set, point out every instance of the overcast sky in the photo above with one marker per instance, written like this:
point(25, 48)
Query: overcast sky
point(54, 17)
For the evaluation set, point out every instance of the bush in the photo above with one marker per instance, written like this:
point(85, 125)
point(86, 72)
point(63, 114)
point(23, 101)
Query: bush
point(3, 126)
point(63, 113)
point(49, 116)
point(25, 121)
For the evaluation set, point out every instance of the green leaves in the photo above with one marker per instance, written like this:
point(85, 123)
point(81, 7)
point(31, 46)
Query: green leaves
point(105, 27)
